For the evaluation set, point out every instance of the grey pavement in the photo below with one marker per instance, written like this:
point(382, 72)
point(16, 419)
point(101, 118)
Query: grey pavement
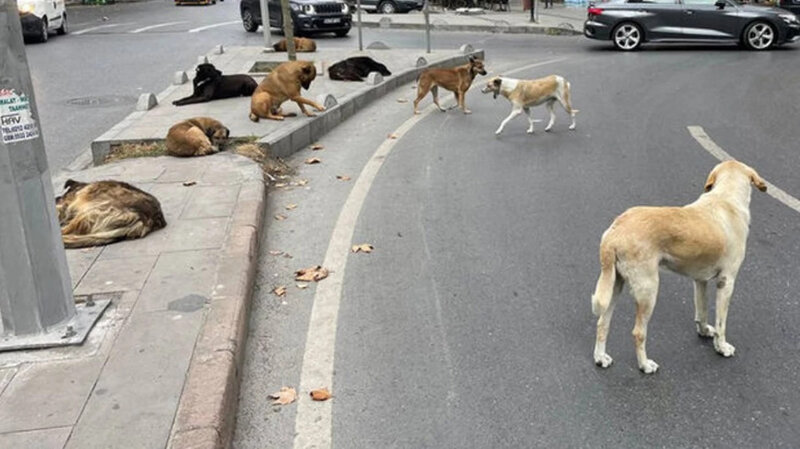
point(122, 388)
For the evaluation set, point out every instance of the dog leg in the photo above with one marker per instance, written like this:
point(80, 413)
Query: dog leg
point(565, 102)
point(724, 292)
point(701, 310)
point(514, 112)
point(601, 357)
point(552, 112)
point(305, 101)
point(435, 92)
point(463, 102)
point(645, 291)
point(458, 102)
point(422, 90)
point(531, 120)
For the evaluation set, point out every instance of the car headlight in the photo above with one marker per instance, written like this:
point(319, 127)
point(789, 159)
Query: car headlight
point(345, 8)
point(308, 9)
point(26, 8)
point(788, 17)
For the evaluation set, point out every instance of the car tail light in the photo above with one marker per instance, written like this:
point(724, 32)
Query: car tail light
point(595, 11)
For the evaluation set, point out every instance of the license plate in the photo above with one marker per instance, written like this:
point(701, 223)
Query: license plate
point(327, 21)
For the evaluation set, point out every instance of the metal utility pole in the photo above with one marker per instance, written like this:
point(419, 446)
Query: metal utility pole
point(426, 12)
point(358, 14)
point(36, 303)
point(535, 11)
point(265, 25)
point(288, 30)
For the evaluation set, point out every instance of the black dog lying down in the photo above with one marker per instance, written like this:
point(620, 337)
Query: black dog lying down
point(356, 69)
point(210, 84)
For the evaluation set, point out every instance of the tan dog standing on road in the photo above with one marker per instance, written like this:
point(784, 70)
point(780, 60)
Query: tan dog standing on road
point(104, 212)
point(524, 94)
point(704, 240)
point(301, 45)
point(283, 83)
point(456, 79)
point(196, 136)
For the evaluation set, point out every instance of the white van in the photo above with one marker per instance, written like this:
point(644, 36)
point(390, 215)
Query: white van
point(41, 17)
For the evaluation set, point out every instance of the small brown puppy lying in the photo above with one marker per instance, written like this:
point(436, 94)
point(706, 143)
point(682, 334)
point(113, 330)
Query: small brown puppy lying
point(283, 84)
point(196, 136)
point(105, 212)
point(457, 79)
point(301, 45)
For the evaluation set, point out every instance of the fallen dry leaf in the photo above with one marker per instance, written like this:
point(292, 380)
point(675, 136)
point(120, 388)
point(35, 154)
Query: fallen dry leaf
point(189, 183)
point(313, 160)
point(280, 217)
point(276, 252)
point(288, 256)
point(317, 147)
point(343, 177)
point(302, 286)
point(279, 291)
point(291, 206)
point(362, 248)
point(402, 100)
point(281, 184)
point(286, 396)
point(392, 136)
point(315, 273)
point(321, 394)
point(301, 182)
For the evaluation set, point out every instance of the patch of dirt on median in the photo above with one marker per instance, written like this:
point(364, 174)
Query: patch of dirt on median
point(274, 168)
point(131, 150)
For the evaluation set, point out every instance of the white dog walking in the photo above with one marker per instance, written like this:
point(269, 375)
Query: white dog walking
point(524, 94)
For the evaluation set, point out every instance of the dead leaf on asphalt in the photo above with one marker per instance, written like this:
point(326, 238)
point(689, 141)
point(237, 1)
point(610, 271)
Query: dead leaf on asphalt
point(301, 182)
point(288, 256)
point(343, 177)
point(281, 184)
point(302, 286)
point(291, 206)
point(392, 136)
point(402, 100)
point(280, 217)
point(313, 160)
point(362, 248)
point(279, 291)
point(189, 183)
point(286, 396)
point(321, 394)
point(276, 252)
point(315, 273)
point(317, 147)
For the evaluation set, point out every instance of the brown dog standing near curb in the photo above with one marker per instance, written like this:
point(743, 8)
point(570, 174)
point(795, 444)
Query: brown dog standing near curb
point(301, 45)
point(284, 83)
point(198, 136)
point(457, 80)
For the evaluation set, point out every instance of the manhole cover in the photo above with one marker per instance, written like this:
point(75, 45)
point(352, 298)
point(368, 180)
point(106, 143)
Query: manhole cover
point(101, 101)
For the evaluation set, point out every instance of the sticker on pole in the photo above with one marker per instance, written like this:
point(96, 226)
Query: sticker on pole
point(16, 121)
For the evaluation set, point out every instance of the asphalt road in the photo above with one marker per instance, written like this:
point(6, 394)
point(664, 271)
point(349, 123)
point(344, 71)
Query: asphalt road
point(470, 324)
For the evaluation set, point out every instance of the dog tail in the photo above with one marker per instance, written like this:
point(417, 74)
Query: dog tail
point(567, 99)
point(96, 239)
point(605, 283)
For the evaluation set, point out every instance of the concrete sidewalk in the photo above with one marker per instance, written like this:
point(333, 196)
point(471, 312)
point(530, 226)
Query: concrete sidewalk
point(122, 388)
point(559, 20)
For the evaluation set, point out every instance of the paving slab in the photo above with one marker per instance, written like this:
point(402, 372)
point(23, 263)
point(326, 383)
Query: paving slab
point(36, 439)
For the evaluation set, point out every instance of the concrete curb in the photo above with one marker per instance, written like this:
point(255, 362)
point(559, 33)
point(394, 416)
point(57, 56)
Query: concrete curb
point(295, 137)
point(510, 29)
point(206, 413)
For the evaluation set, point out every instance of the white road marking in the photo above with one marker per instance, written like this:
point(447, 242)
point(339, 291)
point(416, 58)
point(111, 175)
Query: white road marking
point(166, 24)
point(99, 27)
point(313, 425)
point(222, 24)
point(709, 145)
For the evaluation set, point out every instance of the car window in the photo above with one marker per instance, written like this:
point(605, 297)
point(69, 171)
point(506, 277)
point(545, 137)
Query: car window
point(656, 2)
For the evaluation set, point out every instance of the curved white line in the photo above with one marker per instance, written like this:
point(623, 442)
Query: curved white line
point(139, 30)
point(208, 27)
point(99, 27)
point(313, 423)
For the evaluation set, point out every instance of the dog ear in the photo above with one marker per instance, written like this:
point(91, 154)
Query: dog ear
point(497, 82)
point(757, 181)
point(227, 133)
point(472, 59)
point(70, 183)
point(711, 180)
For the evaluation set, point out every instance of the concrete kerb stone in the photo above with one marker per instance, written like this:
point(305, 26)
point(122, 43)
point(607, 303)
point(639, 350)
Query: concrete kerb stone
point(374, 78)
point(146, 102)
point(180, 78)
point(514, 29)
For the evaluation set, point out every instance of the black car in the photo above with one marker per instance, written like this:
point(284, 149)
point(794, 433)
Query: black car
point(628, 23)
point(791, 5)
point(391, 6)
point(309, 16)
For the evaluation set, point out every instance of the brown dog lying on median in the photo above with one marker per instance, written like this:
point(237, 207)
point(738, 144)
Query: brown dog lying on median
point(284, 83)
point(456, 79)
point(196, 136)
point(104, 212)
point(301, 45)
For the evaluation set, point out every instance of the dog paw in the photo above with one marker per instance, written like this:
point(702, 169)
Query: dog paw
point(705, 330)
point(497, 133)
point(530, 131)
point(725, 349)
point(416, 112)
point(321, 109)
point(547, 130)
point(467, 111)
point(603, 360)
point(649, 367)
point(572, 127)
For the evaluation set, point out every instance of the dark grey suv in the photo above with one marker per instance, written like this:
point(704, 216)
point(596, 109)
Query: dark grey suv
point(629, 23)
point(309, 16)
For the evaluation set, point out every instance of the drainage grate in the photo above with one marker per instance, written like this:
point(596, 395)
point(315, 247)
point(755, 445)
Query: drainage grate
point(101, 101)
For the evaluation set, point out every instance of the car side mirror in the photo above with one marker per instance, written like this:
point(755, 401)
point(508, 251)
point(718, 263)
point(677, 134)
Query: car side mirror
point(721, 4)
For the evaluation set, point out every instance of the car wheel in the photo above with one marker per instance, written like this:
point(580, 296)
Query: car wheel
point(64, 28)
point(387, 7)
point(249, 22)
point(342, 33)
point(627, 36)
point(759, 36)
point(42, 35)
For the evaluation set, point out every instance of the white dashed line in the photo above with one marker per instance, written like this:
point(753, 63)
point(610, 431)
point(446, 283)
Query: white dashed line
point(709, 145)
point(139, 30)
point(99, 27)
point(222, 24)
point(313, 425)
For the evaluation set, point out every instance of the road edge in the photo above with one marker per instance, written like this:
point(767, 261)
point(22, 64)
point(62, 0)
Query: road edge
point(499, 29)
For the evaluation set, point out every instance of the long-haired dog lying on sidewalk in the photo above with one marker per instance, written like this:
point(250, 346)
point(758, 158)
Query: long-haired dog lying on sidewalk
point(104, 212)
